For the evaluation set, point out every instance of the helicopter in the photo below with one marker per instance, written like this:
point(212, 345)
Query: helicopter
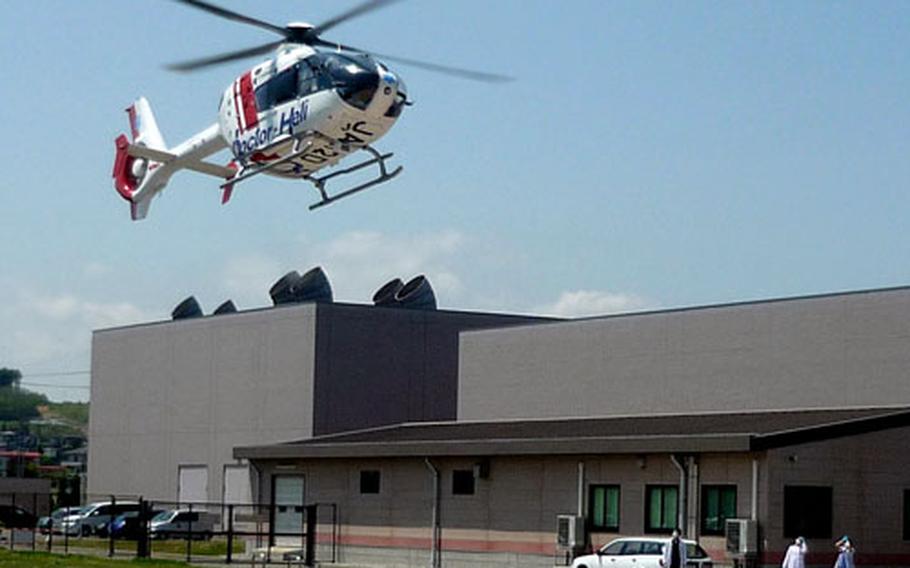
point(292, 116)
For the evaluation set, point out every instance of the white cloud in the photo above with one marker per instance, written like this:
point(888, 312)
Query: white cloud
point(47, 332)
point(582, 303)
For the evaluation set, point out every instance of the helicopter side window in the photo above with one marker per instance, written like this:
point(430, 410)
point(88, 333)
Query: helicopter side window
point(307, 82)
point(277, 90)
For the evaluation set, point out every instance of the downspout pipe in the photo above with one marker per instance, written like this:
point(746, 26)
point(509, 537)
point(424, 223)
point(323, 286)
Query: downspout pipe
point(683, 497)
point(435, 557)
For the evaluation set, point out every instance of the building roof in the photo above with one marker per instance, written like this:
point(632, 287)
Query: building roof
point(706, 432)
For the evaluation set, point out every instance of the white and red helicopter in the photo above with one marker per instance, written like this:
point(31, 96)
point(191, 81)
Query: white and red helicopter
point(292, 116)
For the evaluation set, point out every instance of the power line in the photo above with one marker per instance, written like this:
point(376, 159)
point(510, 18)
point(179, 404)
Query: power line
point(54, 385)
point(60, 374)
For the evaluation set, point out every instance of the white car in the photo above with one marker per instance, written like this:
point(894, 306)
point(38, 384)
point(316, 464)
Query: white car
point(640, 552)
point(181, 523)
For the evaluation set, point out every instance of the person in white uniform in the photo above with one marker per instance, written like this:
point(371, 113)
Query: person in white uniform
point(796, 554)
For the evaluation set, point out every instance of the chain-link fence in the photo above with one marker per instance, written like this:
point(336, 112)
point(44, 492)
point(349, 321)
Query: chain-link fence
point(131, 526)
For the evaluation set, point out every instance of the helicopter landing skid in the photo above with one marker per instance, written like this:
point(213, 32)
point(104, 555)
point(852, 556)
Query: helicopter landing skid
point(384, 176)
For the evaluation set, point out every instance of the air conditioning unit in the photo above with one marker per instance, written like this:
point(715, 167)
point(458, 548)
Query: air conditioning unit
point(742, 537)
point(570, 531)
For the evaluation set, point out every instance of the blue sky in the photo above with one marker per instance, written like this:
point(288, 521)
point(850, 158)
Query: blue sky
point(650, 154)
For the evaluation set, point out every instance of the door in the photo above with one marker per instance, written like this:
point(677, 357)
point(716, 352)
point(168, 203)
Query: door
point(192, 484)
point(287, 502)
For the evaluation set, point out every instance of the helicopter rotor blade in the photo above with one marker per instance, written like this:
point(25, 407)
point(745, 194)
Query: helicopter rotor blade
point(234, 16)
point(473, 75)
point(356, 11)
point(195, 64)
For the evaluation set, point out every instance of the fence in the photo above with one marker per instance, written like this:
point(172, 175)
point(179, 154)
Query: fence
point(218, 533)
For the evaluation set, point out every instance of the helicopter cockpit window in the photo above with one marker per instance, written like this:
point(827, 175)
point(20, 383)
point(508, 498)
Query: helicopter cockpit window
point(355, 77)
point(279, 89)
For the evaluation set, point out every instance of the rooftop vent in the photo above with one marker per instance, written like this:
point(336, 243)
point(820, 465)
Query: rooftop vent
point(417, 294)
point(385, 296)
point(313, 286)
point(292, 288)
point(282, 292)
point(188, 308)
point(227, 307)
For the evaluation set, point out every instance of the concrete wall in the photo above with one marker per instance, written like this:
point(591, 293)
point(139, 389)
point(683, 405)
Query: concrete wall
point(817, 352)
point(511, 518)
point(379, 366)
point(187, 392)
point(868, 475)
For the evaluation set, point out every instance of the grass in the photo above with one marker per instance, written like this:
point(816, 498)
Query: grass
point(45, 560)
point(214, 547)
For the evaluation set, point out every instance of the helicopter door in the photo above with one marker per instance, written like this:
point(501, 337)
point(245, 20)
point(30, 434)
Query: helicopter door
point(279, 89)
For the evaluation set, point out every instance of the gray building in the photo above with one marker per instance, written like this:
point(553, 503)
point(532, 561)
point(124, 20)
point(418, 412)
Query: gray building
point(502, 484)
point(757, 410)
point(833, 350)
point(170, 400)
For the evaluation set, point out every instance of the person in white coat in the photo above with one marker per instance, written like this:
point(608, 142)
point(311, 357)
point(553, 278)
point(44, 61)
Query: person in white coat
point(845, 553)
point(796, 554)
point(674, 552)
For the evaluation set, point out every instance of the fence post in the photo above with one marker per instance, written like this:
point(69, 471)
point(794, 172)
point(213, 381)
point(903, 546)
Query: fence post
point(189, 536)
point(34, 512)
point(309, 558)
point(110, 536)
point(12, 531)
point(230, 534)
point(142, 536)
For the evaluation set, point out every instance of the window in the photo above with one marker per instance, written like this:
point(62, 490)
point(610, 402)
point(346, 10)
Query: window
point(614, 549)
point(906, 514)
point(661, 504)
point(463, 482)
point(279, 89)
point(807, 511)
point(369, 481)
point(603, 508)
point(718, 503)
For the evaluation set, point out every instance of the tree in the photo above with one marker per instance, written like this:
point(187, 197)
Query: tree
point(10, 377)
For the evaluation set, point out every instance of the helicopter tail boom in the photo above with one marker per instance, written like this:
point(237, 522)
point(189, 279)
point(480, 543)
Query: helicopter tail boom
point(143, 166)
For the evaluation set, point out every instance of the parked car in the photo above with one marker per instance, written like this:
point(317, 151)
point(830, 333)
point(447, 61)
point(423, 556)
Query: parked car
point(127, 525)
point(54, 519)
point(640, 552)
point(93, 518)
point(15, 517)
point(178, 523)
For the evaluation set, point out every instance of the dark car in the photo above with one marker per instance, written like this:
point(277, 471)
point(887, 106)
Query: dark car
point(127, 526)
point(13, 517)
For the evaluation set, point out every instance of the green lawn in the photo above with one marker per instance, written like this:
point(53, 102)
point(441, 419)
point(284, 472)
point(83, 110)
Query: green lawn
point(44, 560)
point(214, 547)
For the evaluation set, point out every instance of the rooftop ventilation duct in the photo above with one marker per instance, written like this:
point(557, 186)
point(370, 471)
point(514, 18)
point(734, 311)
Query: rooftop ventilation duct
point(282, 291)
point(313, 286)
point(385, 296)
point(227, 307)
point(188, 308)
point(417, 294)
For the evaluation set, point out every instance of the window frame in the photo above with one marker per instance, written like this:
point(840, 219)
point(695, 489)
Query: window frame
point(607, 488)
point(703, 512)
point(662, 488)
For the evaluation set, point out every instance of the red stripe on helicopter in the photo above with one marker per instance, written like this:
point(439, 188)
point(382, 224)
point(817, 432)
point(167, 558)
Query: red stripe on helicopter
point(237, 105)
point(248, 100)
